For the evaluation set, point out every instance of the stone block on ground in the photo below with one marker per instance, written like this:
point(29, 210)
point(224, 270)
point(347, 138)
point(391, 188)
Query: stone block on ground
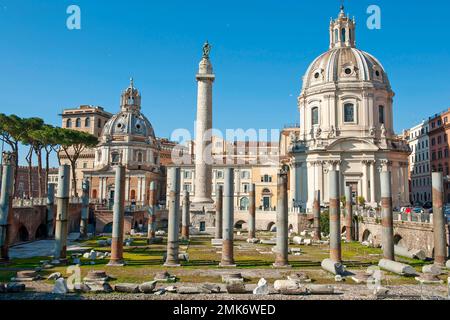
point(428, 278)
point(397, 268)
point(147, 287)
point(433, 269)
point(300, 277)
point(210, 288)
point(165, 277)
point(189, 290)
point(321, 289)
point(262, 287)
point(60, 287)
point(232, 276)
point(26, 275)
point(127, 288)
point(298, 240)
point(99, 287)
point(333, 267)
point(54, 276)
point(236, 287)
point(253, 241)
point(96, 276)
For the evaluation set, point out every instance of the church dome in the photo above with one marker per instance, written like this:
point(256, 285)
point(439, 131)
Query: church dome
point(345, 65)
point(343, 62)
point(129, 124)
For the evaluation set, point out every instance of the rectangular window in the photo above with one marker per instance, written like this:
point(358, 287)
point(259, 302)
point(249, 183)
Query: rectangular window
point(349, 113)
point(381, 114)
point(315, 116)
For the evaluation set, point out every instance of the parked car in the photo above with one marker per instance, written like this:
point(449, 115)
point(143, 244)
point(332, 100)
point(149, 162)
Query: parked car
point(418, 210)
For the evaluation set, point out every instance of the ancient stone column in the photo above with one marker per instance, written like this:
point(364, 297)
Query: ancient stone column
point(219, 211)
point(349, 213)
point(84, 209)
point(228, 220)
point(152, 212)
point(387, 219)
point(281, 259)
point(5, 198)
point(50, 208)
point(62, 199)
point(252, 213)
point(203, 157)
point(118, 218)
point(372, 182)
point(185, 216)
point(440, 239)
point(174, 218)
point(316, 215)
point(335, 217)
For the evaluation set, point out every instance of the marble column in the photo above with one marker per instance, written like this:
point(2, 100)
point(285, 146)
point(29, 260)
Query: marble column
point(152, 212)
point(203, 169)
point(84, 209)
point(335, 217)
point(174, 218)
point(365, 183)
point(440, 239)
point(372, 182)
point(50, 208)
point(252, 213)
point(118, 218)
point(61, 214)
point(185, 216)
point(292, 185)
point(228, 220)
point(5, 198)
point(387, 222)
point(219, 212)
point(281, 260)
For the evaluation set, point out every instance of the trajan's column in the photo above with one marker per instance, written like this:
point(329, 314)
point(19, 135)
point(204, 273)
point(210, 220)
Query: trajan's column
point(203, 157)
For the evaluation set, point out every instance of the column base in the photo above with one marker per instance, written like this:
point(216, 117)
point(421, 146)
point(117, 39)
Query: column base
point(279, 265)
point(171, 265)
point(227, 265)
point(116, 263)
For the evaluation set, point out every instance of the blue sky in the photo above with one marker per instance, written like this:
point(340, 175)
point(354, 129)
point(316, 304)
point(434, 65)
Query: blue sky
point(261, 49)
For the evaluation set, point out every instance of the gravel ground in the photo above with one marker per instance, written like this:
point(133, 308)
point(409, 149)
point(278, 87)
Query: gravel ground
point(42, 291)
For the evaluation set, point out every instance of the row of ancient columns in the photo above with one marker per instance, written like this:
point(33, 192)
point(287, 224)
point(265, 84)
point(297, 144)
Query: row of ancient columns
point(334, 263)
point(316, 174)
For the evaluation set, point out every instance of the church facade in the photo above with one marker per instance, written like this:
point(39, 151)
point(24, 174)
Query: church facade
point(346, 124)
point(127, 139)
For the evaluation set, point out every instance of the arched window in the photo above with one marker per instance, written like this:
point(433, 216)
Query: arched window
point(381, 114)
point(94, 194)
point(349, 112)
point(244, 203)
point(315, 116)
point(115, 158)
point(343, 35)
point(87, 122)
point(78, 123)
point(139, 157)
point(99, 123)
point(336, 36)
point(133, 195)
point(69, 123)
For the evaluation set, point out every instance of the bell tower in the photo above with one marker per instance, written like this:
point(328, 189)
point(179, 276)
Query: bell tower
point(342, 31)
point(131, 98)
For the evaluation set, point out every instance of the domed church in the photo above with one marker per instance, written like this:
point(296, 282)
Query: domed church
point(346, 124)
point(127, 139)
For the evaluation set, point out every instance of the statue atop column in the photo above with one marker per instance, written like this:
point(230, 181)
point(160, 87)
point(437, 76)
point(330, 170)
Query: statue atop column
point(206, 50)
